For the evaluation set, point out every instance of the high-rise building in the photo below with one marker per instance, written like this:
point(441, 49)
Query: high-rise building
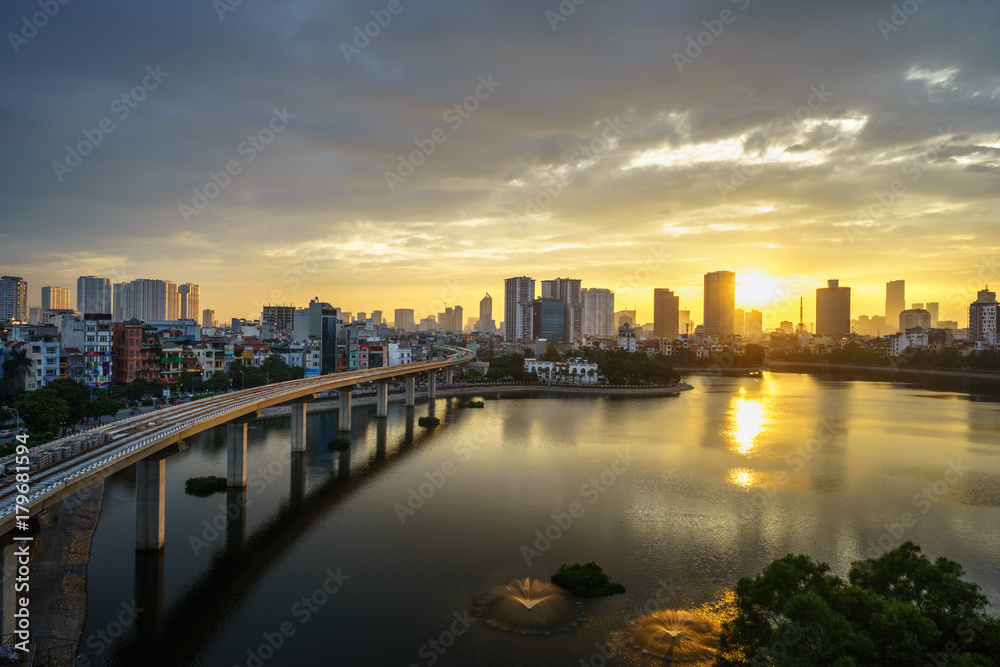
point(739, 321)
point(625, 317)
point(208, 318)
point(753, 325)
point(93, 295)
point(143, 299)
point(13, 298)
point(720, 302)
point(458, 318)
point(684, 322)
point(568, 291)
point(403, 319)
point(518, 296)
point(983, 317)
point(55, 298)
point(598, 312)
point(282, 318)
point(486, 323)
point(173, 301)
point(913, 318)
point(377, 318)
point(895, 301)
point(189, 296)
point(934, 308)
point(550, 320)
point(833, 310)
point(666, 313)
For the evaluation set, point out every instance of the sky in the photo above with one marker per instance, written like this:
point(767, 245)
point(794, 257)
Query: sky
point(631, 145)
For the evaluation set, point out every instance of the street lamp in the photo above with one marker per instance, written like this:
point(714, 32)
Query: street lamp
point(243, 380)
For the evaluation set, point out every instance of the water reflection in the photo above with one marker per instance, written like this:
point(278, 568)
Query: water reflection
point(744, 477)
point(747, 418)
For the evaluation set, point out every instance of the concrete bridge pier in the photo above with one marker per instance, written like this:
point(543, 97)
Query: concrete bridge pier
point(149, 595)
point(236, 461)
point(411, 391)
point(150, 488)
point(299, 422)
point(431, 385)
point(344, 414)
point(449, 375)
point(382, 398)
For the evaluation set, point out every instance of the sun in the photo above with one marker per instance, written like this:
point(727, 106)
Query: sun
point(756, 289)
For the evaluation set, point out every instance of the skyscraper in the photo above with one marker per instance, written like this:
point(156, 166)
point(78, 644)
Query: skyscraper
point(403, 319)
point(173, 301)
point(518, 295)
point(568, 291)
point(486, 322)
point(720, 302)
point(190, 302)
point(753, 325)
point(93, 295)
point(895, 302)
point(666, 313)
point(377, 318)
point(208, 318)
point(142, 298)
point(598, 312)
point(739, 322)
point(55, 298)
point(282, 318)
point(13, 298)
point(833, 310)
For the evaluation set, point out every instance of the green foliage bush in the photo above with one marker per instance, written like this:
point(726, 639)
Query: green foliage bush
point(586, 580)
point(204, 486)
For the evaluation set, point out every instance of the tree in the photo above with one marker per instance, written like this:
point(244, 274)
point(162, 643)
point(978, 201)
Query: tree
point(102, 406)
point(76, 397)
point(895, 610)
point(219, 382)
point(15, 366)
point(42, 410)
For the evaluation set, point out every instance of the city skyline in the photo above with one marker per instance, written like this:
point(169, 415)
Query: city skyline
point(864, 164)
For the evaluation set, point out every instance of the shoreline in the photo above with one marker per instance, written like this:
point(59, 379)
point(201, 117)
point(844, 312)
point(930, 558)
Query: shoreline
point(807, 366)
point(330, 404)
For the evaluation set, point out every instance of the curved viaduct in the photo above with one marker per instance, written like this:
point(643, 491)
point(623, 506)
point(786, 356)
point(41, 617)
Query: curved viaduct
point(65, 466)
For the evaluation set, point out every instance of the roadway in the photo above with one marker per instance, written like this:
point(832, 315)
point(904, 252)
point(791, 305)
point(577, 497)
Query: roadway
point(135, 438)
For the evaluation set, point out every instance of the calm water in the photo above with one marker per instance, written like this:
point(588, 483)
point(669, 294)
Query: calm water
point(675, 497)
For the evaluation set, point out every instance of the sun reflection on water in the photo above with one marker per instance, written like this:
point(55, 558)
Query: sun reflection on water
point(747, 419)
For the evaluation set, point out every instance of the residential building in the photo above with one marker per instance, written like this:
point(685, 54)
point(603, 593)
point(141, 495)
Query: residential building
point(143, 299)
point(904, 341)
point(377, 318)
point(627, 338)
point(598, 312)
point(281, 318)
point(666, 313)
point(739, 321)
point(913, 318)
point(13, 299)
point(983, 317)
point(720, 302)
point(93, 295)
point(568, 291)
point(189, 296)
point(136, 352)
point(403, 319)
point(208, 318)
point(895, 301)
point(519, 294)
point(55, 298)
point(753, 325)
point(833, 310)
point(625, 317)
point(94, 338)
point(934, 308)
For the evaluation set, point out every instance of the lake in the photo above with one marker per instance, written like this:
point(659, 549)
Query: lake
point(381, 555)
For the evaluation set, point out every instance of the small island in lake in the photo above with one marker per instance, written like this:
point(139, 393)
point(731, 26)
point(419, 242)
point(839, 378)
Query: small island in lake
point(204, 486)
point(587, 581)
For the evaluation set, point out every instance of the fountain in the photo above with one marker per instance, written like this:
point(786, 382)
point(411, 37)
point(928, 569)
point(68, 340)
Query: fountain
point(529, 606)
point(679, 635)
